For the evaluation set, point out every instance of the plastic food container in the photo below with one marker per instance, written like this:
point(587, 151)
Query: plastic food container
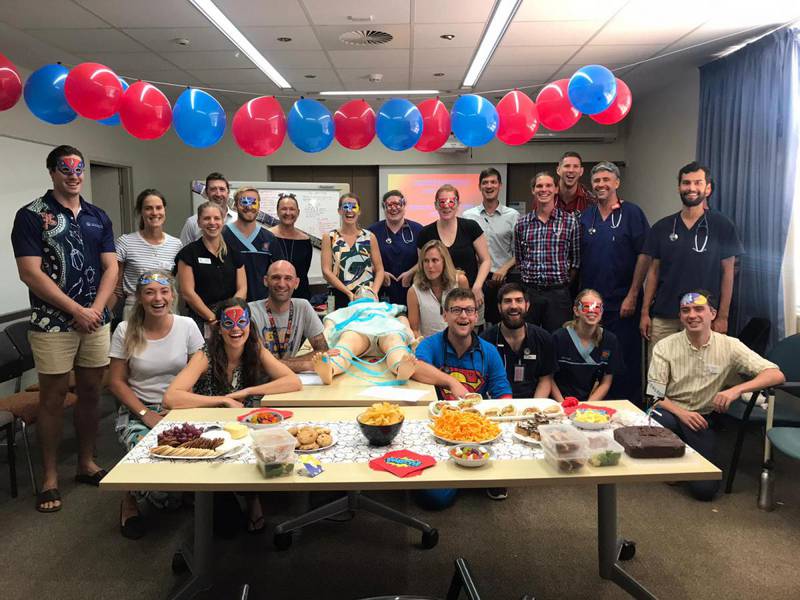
point(274, 450)
point(470, 455)
point(603, 451)
point(562, 439)
point(567, 462)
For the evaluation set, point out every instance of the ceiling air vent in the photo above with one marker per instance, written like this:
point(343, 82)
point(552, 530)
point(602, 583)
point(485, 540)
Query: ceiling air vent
point(366, 37)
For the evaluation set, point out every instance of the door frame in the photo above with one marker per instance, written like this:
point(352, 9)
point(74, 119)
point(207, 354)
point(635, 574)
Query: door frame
point(127, 207)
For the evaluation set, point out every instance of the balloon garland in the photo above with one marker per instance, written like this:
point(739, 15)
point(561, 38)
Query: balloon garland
point(58, 95)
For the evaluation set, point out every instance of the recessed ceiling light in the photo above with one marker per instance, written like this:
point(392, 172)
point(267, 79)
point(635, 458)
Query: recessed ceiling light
point(438, 74)
point(447, 36)
point(284, 39)
point(310, 76)
point(182, 42)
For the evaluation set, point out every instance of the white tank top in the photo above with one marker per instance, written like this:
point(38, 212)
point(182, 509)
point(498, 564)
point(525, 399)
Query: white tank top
point(430, 311)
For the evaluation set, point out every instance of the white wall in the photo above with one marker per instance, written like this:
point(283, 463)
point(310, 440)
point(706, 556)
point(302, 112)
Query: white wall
point(661, 138)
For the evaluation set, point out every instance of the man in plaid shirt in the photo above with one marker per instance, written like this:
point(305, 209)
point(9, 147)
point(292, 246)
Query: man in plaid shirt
point(547, 250)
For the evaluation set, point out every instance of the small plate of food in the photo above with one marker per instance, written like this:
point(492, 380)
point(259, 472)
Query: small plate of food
point(460, 427)
point(470, 455)
point(261, 418)
point(590, 418)
point(310, 438)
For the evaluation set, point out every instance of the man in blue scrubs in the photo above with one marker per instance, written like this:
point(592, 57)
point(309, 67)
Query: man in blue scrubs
point(612, 235)
point(255, 244)
point(397, 239)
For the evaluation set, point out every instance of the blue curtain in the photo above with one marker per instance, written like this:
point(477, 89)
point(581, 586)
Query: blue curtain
point(748, 135)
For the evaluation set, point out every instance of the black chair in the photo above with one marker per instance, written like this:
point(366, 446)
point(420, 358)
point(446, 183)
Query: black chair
point(10, 368)
point(784, 354)
point(755, 335)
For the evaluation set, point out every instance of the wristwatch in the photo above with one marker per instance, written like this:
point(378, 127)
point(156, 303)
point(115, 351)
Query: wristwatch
point(142, 413)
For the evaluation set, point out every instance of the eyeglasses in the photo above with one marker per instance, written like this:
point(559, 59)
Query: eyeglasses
point(282, 196)
point(70, 166)
point(447, 203)
point(590, 307)
point(154, 278)
point(248, 201)
point(467, 310)
point(395, 204)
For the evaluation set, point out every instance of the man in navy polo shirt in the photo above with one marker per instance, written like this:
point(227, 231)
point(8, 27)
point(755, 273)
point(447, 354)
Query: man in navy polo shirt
point(64, 249)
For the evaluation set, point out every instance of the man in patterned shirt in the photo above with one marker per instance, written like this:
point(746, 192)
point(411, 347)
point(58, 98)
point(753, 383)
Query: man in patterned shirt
point(64, 248)
point(547, 250)
point(572, 196)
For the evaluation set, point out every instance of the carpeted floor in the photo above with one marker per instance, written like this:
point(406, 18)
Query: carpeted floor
point(540, 541)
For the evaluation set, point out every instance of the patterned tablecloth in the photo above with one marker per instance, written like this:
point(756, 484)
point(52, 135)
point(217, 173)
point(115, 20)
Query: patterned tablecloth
point(352, 447)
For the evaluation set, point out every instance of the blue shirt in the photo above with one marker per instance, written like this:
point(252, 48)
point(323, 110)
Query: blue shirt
point(609, 250)
point(579, 370)
point(398, 253)
point(70, 248)
point(479, 370)
point(257, 252)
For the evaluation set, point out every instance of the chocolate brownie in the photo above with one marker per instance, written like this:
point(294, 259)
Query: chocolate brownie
point(649, 442)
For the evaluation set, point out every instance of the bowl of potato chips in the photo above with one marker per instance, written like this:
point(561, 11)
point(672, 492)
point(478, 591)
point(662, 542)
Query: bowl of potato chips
point(381, 423)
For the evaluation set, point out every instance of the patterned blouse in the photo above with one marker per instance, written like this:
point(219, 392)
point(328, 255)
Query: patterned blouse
point(208, 385)
point(352, 264)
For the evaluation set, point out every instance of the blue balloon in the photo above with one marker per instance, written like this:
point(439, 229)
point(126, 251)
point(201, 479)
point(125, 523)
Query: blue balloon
point(592, 89)
point(399, 124)
point(198, 118)
point(474, 120)
point(44, 95)
point(114, 119)
point(310, 125)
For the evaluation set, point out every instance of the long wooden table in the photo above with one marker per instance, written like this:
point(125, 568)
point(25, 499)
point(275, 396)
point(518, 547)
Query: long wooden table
point(345, 391)
point(205, 478)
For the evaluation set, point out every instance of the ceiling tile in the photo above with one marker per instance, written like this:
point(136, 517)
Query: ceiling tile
point(426, 81)
point(595, 54)
point(24, 14)
point(218, 59)
point(227, 77)
point(439, 59)
point(522, 74)
point(176, 76)
point(298, 59)
point(87, 40)
point(329, 36)
point(325, 12)
point(125, 63)
point(299, 81)
point(263, 13)
point(370, 58)
point(391, 77)
point(252, 90)
point(266, 38)
point(427, 35)
point(550, 33)
point(654, 22)
point(452, 11)
point(574, 10)
point(160, 39)
point(146, 13)
point(530, 55)
point(568, 71)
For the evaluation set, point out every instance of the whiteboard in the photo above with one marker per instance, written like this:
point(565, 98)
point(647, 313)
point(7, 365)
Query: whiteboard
point(25, 180)
point(319, 204)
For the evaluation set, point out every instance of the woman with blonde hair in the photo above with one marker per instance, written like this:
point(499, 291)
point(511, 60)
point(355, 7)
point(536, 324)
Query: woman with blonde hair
point(588, 356)
point(147, 352)
point(351, 256)
point(209, 271)
point(434, 278)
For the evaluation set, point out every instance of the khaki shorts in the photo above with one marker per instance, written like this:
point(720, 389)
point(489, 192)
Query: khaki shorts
point(58, 352)
point(659, 329)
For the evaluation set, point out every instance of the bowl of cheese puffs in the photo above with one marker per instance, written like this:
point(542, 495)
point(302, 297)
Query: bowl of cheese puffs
point(381, 423)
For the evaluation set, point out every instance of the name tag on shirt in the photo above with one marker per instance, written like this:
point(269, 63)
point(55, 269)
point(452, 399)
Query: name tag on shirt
point(529, 357)
point(713, 369)
point(203, 261)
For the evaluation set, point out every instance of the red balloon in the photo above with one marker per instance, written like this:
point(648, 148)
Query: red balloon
point(555, 110)
point(619, 108)
point(259, 126)
point(145, 111)
point(93, 91)
point(519, 118)
point(10, 83)
point(435, 125)
point(354, 124)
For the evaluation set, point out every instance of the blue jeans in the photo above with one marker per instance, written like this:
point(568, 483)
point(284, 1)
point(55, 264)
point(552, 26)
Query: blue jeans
point(703, 441)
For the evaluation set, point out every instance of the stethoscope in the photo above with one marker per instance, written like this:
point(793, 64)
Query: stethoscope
point(472, 350)
point(499, 344)
point(614, 224)
point(402, 233)
point(703, 224)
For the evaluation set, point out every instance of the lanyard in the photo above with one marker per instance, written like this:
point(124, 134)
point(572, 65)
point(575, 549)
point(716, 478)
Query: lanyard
point(281, 347)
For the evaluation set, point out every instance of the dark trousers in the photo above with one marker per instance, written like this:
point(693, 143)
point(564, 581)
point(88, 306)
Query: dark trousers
point(703, 441)
point(550, 308)
point(627, 385)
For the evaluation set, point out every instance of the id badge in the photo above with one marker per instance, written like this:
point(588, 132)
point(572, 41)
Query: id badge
point(519, 373)
point(713, 369)
point(203, 260)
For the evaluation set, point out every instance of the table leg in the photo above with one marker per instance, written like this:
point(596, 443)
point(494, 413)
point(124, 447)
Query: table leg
point(609, 544)
point(199, 556)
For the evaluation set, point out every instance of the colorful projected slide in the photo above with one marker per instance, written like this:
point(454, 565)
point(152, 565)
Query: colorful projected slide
point(419, 190)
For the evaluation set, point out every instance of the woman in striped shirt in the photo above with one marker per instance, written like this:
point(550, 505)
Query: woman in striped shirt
point(148, 249)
